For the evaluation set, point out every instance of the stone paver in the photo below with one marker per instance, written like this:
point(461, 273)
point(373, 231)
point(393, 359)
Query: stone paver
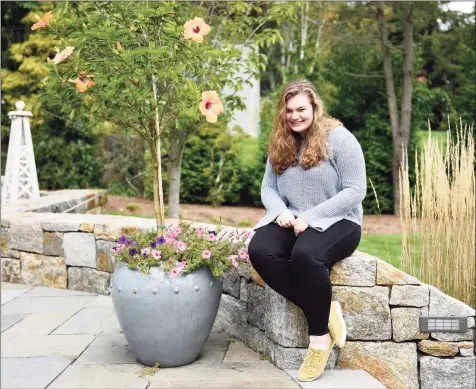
point(86, 321)
point(36, 372)
point(238, 352)
point(108, 347)
point(44, 345)
point(110, 323)
point(12, 286)
point(100, 376)
point(38, 324)
point(58, 338)
point(9, 295)
point(101, 301)
point(10, 320)
point(24, 304)
point(214, 348)
point(260, 384)
point(341, 379)
point(225, 373)
point(41, 291)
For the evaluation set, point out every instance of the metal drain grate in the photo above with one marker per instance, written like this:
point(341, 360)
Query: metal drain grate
point(443, 324)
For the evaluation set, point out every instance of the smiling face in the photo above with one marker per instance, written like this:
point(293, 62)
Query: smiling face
point(299, 113)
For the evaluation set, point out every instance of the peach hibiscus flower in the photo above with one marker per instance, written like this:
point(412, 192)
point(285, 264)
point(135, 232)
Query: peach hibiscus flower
point(83, 81)
point(43, 22)
point(63, 55)
point(195, 29)
point(211, 106)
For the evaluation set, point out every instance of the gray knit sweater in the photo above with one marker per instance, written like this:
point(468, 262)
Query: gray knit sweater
point(328, 192)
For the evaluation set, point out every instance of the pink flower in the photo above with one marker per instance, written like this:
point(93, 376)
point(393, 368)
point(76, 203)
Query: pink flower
point(234, 262)
point(243, 254)
point(206, 254)
point(145, 251)
point(169, 260)
point(156, 254)
point(246, 234)
point(181, 246)
point(211, 237)
point(181, 264)
point(174, 272)
point(200, 230)
point(178, 231)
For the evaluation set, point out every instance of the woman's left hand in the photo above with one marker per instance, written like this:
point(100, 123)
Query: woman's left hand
point(300, 226)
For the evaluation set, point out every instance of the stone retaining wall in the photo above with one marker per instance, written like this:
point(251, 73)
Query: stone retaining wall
point(381, 307)
point(381, 304)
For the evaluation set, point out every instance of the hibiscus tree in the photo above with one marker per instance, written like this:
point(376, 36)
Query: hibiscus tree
point(152, 66)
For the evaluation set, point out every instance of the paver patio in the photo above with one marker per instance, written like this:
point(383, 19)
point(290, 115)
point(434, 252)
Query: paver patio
point(57, 338)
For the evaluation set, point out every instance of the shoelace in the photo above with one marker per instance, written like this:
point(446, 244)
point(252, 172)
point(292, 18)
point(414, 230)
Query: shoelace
point(313, 358)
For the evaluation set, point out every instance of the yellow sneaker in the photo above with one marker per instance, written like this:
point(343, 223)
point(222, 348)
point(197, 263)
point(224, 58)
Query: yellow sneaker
point(314, 363)
point(337, 327)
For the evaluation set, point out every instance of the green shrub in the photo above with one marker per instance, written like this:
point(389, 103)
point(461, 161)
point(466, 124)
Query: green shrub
point(132, 207)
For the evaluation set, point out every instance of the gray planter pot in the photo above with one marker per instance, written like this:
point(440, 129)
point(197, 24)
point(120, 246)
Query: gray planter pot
point(165, 319)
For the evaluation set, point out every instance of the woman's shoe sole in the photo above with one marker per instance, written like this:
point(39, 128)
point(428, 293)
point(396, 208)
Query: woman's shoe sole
point(341, 342)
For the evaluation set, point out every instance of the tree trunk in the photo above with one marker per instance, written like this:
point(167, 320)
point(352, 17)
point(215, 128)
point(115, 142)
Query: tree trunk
point(159, 219)
point(304, 24)
point(400, 126)
point(406, 112)
point(177, 145)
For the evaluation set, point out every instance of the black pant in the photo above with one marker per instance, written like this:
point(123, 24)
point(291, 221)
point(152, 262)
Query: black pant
point(298, 267)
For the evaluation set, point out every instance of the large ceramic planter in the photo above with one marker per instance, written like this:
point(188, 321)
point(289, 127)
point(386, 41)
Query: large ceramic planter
point(165, 319)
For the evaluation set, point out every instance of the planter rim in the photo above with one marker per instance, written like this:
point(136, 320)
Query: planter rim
point(137, 269)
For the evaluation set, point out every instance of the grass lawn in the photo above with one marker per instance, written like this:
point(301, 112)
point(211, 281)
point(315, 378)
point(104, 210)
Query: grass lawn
point(439, 136)
point(386, 247)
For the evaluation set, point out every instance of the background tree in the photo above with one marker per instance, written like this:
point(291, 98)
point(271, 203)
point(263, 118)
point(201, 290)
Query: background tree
point(400, 119)
point(249, 25)
point(65, 141)
point(143, 72)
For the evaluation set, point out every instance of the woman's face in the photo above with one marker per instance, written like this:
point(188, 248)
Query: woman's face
point(299, 113)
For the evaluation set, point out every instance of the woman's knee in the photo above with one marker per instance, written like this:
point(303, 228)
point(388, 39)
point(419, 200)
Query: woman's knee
point(301, 256)
point(256, 249)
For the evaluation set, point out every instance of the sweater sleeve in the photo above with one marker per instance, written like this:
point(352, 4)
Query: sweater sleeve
point(350, 163)
point(273, 203)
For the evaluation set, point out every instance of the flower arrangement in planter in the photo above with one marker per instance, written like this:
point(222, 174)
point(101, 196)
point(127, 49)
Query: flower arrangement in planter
point(183, 249)
point(167, 289)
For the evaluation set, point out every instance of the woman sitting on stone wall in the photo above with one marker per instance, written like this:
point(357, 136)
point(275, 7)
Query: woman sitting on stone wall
point(313, 188)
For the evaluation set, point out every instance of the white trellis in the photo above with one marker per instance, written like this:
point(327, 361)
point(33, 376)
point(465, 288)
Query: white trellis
point(21, 180)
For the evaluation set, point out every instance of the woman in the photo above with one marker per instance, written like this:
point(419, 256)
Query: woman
point(313, 188)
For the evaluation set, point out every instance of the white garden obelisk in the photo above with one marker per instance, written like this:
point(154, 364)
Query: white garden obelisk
point(21, 180)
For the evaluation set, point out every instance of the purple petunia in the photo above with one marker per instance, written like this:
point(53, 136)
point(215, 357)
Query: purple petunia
point(153, 245)
point(122, 240)
point(130, 242)
point(160, 240)
point(132, 251)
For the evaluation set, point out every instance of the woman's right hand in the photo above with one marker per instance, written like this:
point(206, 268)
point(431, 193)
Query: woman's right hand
point(286, 219)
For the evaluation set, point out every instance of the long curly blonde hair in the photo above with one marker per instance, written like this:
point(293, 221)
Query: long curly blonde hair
point(284, 143)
